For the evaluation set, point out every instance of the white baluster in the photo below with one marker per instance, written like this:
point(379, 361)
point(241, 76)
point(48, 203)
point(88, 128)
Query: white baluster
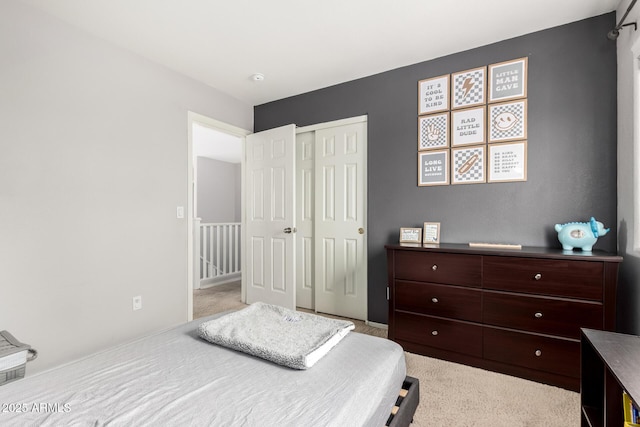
point(197, 266)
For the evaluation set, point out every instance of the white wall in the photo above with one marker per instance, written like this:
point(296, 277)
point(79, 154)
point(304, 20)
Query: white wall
point(93, 162)
point(629, 283)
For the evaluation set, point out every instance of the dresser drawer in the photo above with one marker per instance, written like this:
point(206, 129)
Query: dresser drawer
point(567, 278)
point(539, 314)
point(555, 355)
point(445, 334)
point(439, 300)
point(453, 269)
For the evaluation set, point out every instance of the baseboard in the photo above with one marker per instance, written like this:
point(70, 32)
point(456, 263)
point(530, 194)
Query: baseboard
point(210, 283)
point(377, 325)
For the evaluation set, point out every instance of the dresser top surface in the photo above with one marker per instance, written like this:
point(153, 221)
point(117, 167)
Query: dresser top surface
point(526, 251)
point(621, 353)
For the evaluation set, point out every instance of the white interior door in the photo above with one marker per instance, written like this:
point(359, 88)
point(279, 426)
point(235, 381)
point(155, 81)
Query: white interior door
point(270, 217)
point(339, 221)
point(305, 195)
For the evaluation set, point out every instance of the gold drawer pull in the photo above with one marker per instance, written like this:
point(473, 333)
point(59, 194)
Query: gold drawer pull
point(434, 333)
point(538, 353)
point(434, 300)
point(538, 315)
point(434, 267)
point(538, 276)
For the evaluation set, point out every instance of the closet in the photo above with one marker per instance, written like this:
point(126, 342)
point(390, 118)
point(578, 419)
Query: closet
point(314, 257)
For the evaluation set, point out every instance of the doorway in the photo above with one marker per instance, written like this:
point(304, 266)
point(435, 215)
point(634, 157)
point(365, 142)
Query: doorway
point(214, 211)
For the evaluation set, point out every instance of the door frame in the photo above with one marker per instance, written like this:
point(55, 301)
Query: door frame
point(195, 118)
point(334, 123)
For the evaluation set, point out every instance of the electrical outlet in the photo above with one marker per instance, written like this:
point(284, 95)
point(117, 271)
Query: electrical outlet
point(137, 303)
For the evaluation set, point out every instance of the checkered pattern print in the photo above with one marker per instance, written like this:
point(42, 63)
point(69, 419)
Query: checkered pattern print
point(468, 88)
point(433, 132)
point(468, 165)
point(506, 121)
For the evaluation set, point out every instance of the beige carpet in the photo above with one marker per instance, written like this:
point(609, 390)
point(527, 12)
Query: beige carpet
point(450, 394)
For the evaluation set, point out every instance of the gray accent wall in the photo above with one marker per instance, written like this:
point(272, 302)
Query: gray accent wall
point(219, 191)
point(93, 163)
point(571, 146)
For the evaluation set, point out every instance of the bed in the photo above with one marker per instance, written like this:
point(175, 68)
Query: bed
point(175, 378)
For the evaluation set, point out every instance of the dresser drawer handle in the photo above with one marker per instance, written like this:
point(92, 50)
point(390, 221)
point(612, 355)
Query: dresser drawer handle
point(538, 353)
point(538, 276)
point(434, 300)
point(538, 315)
point(434, 333)
point(434, 267)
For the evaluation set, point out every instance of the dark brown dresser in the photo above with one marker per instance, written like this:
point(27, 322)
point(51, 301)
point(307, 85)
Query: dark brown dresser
point(517, 312)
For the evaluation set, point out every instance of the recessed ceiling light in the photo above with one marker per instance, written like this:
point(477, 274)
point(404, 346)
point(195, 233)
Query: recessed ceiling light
point(257, 77)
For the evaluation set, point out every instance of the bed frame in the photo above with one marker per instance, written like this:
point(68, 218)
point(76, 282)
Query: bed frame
point(406, 404)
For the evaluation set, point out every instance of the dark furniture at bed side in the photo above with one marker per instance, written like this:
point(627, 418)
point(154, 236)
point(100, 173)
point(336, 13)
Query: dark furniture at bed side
point(609, 365)
point(518, 312)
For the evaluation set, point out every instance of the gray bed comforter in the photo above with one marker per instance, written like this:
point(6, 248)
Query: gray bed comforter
point(174, 378)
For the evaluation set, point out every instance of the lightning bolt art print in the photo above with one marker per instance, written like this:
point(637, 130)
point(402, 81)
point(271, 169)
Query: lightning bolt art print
point(467, 85)
point(469, 88)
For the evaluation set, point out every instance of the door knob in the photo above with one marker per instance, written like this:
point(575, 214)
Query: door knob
point(288, 230)
point(361, 230)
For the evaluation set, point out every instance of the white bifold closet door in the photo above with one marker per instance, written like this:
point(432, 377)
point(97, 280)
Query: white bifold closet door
point(324, 256)
point(305, 196)
point(339, 221)
point(331, 216)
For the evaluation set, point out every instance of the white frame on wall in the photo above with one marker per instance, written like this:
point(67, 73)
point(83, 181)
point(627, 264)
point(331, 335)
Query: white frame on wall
point(441, 165)
point(434, 90)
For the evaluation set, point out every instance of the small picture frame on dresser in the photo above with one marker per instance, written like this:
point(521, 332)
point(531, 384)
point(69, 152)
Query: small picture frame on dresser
point(410, 235)
point(431, 233)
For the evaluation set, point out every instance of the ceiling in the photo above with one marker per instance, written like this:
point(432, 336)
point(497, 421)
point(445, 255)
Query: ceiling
point(303, 45)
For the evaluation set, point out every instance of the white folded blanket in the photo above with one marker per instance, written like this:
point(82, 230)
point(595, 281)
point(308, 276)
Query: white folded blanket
point(286, 337)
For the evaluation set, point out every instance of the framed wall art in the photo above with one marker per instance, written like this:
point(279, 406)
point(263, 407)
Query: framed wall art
point(508, 162)
point(508, 121)
point(431, 233)
point(433, 131)
point(468, 165)
point(508, 80)
point(410, 235)
point(433, 168)
point(468, 88)
point(468, 126)
point(433, 95)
